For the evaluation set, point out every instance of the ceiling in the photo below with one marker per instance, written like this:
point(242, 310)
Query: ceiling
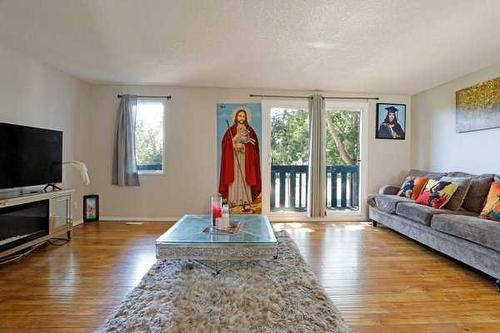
point(383, 46)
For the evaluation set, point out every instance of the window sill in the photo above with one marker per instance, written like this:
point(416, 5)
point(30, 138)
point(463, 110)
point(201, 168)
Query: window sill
point(151, 173)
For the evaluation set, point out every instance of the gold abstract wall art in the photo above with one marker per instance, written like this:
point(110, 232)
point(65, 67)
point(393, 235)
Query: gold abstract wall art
point(478, 107)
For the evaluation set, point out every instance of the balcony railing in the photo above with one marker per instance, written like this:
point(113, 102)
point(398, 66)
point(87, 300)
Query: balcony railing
point(150, 167)
point(289, 187)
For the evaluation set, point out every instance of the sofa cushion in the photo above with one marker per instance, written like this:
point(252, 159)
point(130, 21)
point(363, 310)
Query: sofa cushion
point(418, 213)
point(422, 213)
point(458, 174)
point(386, 202)
point(414, 173)
point(458, 197)
point(478, 190)
point(474, 229)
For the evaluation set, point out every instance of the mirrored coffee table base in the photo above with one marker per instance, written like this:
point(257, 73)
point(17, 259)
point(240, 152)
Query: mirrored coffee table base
point(188, 240)
point(216, 267)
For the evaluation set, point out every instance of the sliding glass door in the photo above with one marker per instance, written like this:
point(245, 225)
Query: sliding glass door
point(289, 159)
point(286, 132)
point(343, 129)
point(346, 159)
point(286, 157)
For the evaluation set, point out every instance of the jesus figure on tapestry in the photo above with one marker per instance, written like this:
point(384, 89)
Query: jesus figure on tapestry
point(240, 178)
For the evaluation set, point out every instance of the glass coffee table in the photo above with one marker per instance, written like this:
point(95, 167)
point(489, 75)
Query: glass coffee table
point(189, 239)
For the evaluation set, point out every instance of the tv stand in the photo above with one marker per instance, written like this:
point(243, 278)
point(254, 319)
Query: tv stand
point(59, 221)
point(53, 186)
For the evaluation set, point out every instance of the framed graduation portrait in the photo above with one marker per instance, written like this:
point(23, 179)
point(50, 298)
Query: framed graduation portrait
point(391, 121)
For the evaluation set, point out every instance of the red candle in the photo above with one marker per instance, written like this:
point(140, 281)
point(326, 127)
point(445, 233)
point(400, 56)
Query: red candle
point(216, 210)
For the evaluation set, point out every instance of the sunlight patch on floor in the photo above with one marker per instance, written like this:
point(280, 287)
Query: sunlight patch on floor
point(142, 264)
point(355, 227)
point(300, 227)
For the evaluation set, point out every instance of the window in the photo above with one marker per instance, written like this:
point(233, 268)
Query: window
point(149, 142)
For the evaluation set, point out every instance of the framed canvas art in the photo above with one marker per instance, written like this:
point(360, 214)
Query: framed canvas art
point(90, 208)
point(391, 121)
point(478, 107)
point(239, 134)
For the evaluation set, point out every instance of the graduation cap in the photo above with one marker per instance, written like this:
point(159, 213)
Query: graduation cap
point(392, 109)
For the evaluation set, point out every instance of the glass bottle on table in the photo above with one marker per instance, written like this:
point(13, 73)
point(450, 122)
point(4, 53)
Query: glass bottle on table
point(225, 217)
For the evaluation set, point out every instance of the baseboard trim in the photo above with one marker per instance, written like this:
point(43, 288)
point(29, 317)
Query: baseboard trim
point(272, 218)
point(343, 218)
point(137, 219)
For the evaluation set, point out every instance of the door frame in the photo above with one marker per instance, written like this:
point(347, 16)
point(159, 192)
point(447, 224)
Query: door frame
point(361, 214)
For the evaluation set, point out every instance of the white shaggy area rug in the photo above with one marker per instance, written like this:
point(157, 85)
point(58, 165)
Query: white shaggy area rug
point(282, 295)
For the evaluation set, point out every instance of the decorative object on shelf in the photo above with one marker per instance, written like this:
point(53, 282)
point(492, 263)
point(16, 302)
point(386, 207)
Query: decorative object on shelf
point(90, 208)
point(391, 121)
point(80, 166)
point(215, 209)
point(239, 131)
point(478, 107)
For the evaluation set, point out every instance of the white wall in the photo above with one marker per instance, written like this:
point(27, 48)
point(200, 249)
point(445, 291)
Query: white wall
point(34, 94)
point(191, 175)
point(435, 143)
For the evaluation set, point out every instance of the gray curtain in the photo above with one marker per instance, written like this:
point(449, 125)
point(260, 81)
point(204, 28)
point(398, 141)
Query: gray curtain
point(124, 161)
point(317, 157)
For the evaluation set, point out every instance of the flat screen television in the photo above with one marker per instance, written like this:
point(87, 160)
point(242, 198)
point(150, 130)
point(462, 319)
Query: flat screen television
point(29, 156)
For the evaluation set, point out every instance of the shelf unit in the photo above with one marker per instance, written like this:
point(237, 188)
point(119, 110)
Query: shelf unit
point(60, 215)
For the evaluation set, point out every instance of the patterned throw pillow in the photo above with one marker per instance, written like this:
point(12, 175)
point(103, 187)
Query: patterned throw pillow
point(491, 210)
point(412, 187)
point(458, 198)
point(437, 193)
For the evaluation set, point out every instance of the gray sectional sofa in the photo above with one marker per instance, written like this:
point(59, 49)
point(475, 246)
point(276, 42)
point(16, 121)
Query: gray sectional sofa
point(460, 234)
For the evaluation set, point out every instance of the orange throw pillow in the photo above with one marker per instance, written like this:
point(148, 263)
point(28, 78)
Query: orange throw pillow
point(412, 187)
point(491, 210)
point(420, 183)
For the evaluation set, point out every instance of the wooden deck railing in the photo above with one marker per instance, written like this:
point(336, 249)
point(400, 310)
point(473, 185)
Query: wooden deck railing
point(289, 187)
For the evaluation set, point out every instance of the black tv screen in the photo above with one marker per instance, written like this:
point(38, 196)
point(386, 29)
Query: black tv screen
point(29, 156)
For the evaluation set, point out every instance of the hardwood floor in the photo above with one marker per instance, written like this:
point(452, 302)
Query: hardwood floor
point(379, 280)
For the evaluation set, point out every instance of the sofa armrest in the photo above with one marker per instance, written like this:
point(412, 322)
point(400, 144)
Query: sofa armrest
point(388, 189)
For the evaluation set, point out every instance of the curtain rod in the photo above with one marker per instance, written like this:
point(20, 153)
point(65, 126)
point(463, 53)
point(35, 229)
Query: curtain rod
point(326, 97)
point(166, 97)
